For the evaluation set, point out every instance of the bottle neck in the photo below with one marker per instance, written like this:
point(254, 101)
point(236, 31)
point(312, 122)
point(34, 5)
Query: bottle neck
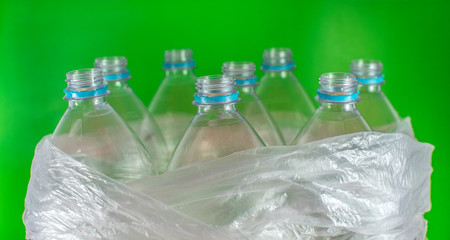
point(278, 74)
point(338, 107)
point(371, 88)
point(179, 72)
point(117, 84)
point(87, 103)
point(249, 89)
point(216, 108)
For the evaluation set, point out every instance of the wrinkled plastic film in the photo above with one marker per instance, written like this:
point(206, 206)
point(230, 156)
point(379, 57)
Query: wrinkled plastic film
point(358, 186)
point(68, 200)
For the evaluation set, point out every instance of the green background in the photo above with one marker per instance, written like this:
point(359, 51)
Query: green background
point(40, 41)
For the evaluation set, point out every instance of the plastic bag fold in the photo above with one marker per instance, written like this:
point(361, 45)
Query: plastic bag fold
point(357, 186)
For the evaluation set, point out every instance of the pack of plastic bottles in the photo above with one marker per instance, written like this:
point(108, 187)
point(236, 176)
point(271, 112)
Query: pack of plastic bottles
point(114, 169)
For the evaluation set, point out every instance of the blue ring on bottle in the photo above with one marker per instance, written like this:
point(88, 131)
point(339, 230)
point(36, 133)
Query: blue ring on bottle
point(109, 77)
point(377, 80)
point(278, 68)
point(179, 65)
point(338, 98)
point(217, 99)
point(250, 81)
point(85, 94)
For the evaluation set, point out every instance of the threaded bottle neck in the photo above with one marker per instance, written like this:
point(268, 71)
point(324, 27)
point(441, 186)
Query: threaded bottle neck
point(215, 89)
point(337, 87)
point(114, 68)
point(178, 59)
point(367, 71)
point(242, 72)
point(85, 83)
point(277, 59)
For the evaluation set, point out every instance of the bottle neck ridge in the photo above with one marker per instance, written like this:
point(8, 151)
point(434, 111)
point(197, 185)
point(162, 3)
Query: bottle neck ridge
point(87, 103)
point(373, 88)
point(217, 108)
point(217, 100)
point(178, 72)
point(338, 107)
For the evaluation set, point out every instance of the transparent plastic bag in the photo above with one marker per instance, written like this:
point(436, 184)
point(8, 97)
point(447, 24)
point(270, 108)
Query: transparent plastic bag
point(357, 186)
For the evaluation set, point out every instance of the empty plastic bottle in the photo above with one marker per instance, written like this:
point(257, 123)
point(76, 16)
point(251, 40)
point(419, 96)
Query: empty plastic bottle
point(251, 106)
point(131, 109)
point(374, 105)
point(171, 106)
point(282, 94)
point(93, 133)
point(217, 129)
point(337, 114)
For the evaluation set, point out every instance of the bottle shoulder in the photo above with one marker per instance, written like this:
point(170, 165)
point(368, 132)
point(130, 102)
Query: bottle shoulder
point(174, 95)
point(218, 118)
point(128, 105)
point(103, 141)
point(88, 110)
point(180, 79)
point(286, 87)
point(378, 111)
point(327, 125)
point(330, 115)
point(207, 141)
point(247, 96)
point(285, 95)
point(74, 117)
point(269, 78)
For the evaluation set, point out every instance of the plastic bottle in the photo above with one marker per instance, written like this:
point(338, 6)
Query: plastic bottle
point(251, 106)
point(282, 94)
point(131, 109)
point(374, 105)
point(337, 114)
point(217, 129)
point(93, 133)
point(171, 106)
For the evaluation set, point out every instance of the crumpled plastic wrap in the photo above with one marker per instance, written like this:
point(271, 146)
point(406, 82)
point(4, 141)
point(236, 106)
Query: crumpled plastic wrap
point(357, 186)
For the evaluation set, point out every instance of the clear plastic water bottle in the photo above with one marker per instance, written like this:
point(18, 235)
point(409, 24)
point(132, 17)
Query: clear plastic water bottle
point(374, 105)
point(337, 114)
point(93, 133)
point(131, 109)
point(282, 94)
point(217, 129)
point(171, 106)
point(251, 106)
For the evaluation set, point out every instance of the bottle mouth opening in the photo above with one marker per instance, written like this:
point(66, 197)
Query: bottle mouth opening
point(215, 85)
point(277, 59)
point(84, 76)
point(366, 64)
point(178, 56)
point(239, 69)
point(366, 68)
point(337, 87)
point(114, 68)
point(85, 83)
point(278, 52)
point(239, 65)
point(337, 78)
point(215, 89)
point(110, 61)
